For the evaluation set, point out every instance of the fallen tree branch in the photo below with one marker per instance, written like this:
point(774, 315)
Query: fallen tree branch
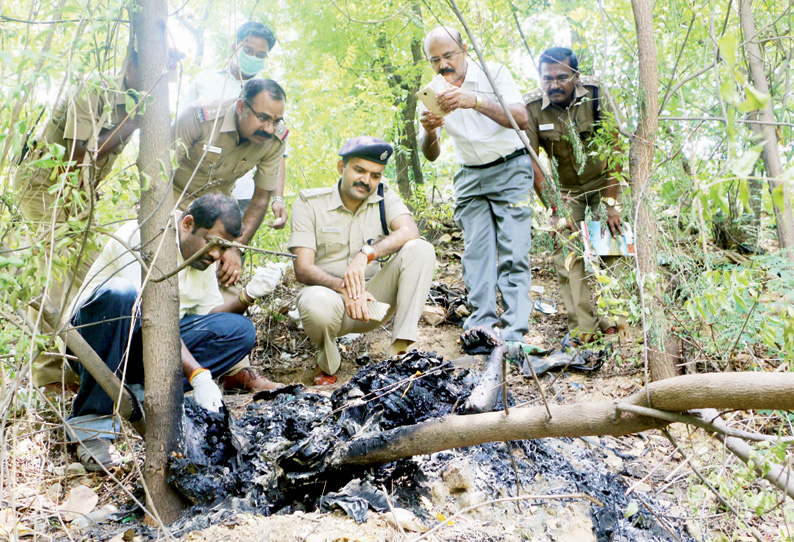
point(728, 391)
point(128, 406)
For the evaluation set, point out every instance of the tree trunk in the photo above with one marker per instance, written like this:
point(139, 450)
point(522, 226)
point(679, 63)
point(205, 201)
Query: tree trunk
point(770, 153)
point(404, 88)
point(408, 162)
point(160, 301)
point(641, 153)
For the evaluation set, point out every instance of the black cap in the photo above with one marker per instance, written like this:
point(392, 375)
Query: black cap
point(367, 147)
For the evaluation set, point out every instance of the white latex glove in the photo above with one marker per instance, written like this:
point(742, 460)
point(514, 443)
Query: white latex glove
point(206, 391)
point(264, 281)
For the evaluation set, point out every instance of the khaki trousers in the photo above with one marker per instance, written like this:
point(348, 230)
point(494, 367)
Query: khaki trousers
point(36, 204)
point(403, 283)
point(574, 282)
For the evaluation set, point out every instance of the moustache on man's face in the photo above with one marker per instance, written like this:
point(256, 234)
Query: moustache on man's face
point(444, 71)
point(362, 185)
point(262, 133)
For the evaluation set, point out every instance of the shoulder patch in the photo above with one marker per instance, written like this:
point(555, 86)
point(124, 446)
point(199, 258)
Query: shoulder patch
point(310, 193)
point(533, 95)
point(589, 81)
point(204, 113)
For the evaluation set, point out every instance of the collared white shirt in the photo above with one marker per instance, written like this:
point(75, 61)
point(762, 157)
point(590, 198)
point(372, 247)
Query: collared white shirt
point(476, 138)
point(198, 290)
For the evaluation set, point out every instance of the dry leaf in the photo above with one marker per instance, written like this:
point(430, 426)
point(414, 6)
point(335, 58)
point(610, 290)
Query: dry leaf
point(81, 501)
point(8, 520)
point(446, 238)
point(569, 260)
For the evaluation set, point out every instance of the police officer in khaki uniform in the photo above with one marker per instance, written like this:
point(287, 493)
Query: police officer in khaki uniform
point(569, 106)
point(339, 235)
point(217, 145)
point(93, 127)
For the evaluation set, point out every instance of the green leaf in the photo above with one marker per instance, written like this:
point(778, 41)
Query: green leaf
point(743, 166)
point(728, 46)
point(755, 100)
point(631, 509)
point(779, 197)
point(13, 261)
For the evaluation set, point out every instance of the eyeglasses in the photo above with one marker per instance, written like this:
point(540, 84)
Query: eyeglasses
point(446, 56)
point(275, 124)
point(251, 52)
point(560, 79)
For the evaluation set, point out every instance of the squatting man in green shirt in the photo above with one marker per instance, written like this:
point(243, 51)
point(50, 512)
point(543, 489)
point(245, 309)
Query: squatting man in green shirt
point(215, 334)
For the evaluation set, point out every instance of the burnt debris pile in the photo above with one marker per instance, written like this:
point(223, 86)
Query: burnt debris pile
point(275, 455)
point(279, 456)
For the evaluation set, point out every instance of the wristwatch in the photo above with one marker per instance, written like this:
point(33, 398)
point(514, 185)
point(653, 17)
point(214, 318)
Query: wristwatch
point(276, 199)
point(369, 252)
point(610, 202)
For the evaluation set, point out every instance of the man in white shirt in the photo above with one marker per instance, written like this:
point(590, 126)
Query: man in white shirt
point(248, 54)
point(215, 334)
point(492, 186)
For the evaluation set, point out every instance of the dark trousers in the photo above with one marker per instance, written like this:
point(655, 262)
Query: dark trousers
point(217, 341)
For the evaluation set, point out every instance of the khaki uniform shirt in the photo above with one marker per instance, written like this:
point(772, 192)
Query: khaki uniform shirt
point(227, 158)
point(550, 128)
point(321, 222)
point(77, 117)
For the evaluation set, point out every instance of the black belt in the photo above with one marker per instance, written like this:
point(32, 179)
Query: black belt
point(501, 159)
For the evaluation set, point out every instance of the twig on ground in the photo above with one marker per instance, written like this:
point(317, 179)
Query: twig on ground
point(699, 422)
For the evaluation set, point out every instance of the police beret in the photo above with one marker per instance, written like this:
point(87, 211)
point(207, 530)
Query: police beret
point(367, 147)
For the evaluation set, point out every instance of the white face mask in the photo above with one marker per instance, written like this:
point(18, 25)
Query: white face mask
point(249, 65)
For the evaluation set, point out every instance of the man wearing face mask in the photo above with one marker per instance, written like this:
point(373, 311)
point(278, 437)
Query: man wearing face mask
point(248, 55)
point(217, 145)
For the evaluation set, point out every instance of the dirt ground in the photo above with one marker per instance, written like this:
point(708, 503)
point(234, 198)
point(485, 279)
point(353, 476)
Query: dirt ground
point(647, 465)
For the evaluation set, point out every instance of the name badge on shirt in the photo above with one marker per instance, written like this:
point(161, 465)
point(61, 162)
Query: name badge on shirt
point(212, 148)
point(544, 127)
point(331, 229)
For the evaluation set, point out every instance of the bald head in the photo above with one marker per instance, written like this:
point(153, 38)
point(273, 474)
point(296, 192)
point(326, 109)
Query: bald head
point(443, 34)
point(446, 53)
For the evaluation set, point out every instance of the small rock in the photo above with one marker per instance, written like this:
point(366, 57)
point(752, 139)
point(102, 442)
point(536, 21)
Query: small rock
point(54, 491)
point(462, 311)
point(614, 463)
point(694, 530)
point(434, 315)
point(286, 356)
point(642, 487)
point(458, 476)
point(406, 519)
point(75, 469)
point(537, 289)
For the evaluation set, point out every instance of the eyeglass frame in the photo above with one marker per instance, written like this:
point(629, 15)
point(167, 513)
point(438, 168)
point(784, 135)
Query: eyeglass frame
point(560, 79)
point(245, 49)
point(274, 123)
point(446, 56)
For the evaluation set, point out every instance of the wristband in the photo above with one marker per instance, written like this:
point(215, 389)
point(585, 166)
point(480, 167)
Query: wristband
point(478, 103)
point(195, 372)
point(276, 199)
point(243, 299)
